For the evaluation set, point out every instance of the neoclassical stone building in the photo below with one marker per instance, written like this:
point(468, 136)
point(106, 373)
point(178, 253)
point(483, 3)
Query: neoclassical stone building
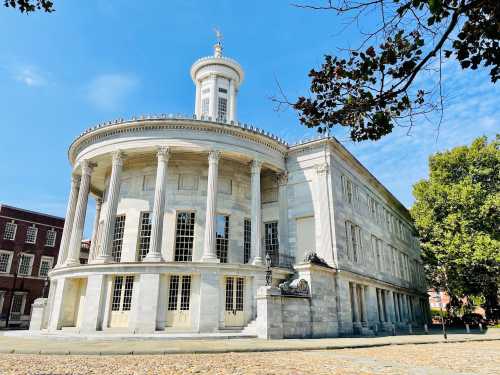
point(189, 207)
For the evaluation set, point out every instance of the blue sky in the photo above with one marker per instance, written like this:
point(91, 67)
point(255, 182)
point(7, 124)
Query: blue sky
point(97, 60)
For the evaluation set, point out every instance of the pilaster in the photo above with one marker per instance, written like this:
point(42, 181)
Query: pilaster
point(95, 228)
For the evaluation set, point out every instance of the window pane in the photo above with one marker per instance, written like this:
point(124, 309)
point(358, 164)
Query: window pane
point(144, 235)
point(222, 237)
point(117, 293)
point(271, 241)
point(184, 237)
point(247, 232)
point(4, 261)
point(185, 292)
point(127, 293)
point(229, 294)
point(173, 292)
point(9, 231)
point(116, 249)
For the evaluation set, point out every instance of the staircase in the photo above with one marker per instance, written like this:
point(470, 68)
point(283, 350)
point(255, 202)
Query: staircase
point(250, 329)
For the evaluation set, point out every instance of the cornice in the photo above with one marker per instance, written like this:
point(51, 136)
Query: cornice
point(143, 124)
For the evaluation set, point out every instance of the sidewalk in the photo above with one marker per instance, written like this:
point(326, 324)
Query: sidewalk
point(52, 345)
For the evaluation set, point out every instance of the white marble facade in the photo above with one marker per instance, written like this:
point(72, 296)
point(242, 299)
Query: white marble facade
point(188, 208)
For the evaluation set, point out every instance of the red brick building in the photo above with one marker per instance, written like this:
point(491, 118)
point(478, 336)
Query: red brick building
point(29, 245)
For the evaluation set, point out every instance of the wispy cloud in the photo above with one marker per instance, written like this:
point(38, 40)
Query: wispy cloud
point(108, 91)
point(30, 76)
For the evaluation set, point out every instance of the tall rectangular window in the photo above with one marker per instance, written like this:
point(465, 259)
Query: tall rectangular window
point(271, 241)
point(184, 237)
point(18, 301)
point(247, 233)
point(116, 248)
point(144, 236)
point(31, 233)
point(45, 266)
point(123, 287)
point(127, 293)
point(50, 239)
point(173, 292)
point(185, 292)
point(25, 264)
point(222, 237)
point(205, 105)
point(5, 259)
point(10, 230)
point(222, 110)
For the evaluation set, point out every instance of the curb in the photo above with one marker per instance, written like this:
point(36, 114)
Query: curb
point(235, 350)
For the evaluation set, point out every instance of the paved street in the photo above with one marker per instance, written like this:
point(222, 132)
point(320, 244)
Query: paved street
point(451, 358)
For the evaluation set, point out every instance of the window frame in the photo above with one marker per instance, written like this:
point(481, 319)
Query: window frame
point(28, 234)
point(142, 238)
point(117, 240)
point(32, 258)
point(14, 232)
point(10, 254)
point(47, 259)
point(247, 240)
point(222, 109)
point(189, 240)
point(272, 242)
point(222, 243)
point(47, 237)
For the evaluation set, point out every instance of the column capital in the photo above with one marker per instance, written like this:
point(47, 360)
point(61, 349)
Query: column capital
point(163, 153)
point(117, 157)
point(87, 167)
point(256, 166)
point(322, 169)
point(283, 178)
point(214, 156)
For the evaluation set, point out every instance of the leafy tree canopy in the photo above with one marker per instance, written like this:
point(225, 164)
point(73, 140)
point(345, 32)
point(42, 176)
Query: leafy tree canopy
point(457, 214)
point(371, 89)
point(28, 6)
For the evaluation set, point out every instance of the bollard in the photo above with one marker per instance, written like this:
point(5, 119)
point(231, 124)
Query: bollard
point(481, 327)
point(410, 329)
point(426, 329)
point(467, 328)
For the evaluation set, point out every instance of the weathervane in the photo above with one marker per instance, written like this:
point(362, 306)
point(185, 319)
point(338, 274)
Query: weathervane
point(218, 35)
point(218, 45)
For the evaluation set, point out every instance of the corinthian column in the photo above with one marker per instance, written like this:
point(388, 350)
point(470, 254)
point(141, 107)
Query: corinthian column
point(154, 253)
point(209, 253)
point(256, 229)
point(75, 243)
point(68, 221)
point(111, 206)
point(283, 219)
point(95, 228)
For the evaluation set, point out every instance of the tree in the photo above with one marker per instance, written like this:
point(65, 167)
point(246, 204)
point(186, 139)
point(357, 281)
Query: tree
point(372, 88)
point(28, 6)
point(457, 215)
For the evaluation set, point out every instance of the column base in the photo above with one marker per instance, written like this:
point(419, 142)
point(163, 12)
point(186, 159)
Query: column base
point(210, 259)
point(153, 258)
point(257, 261)
point(103, 259)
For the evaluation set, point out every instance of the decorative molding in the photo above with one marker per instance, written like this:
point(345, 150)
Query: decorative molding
point(163, 153)
point(322, 169)
point(214, 156)
point(283, 178)
point(87, 168)
point(256, 166)
point(117, 157)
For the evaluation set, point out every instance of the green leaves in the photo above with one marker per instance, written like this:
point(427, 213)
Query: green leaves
point(457, 214)
point(28, 6)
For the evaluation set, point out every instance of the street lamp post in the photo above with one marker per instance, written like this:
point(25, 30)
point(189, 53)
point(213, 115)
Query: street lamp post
point(442, 314)
point(269, 272)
